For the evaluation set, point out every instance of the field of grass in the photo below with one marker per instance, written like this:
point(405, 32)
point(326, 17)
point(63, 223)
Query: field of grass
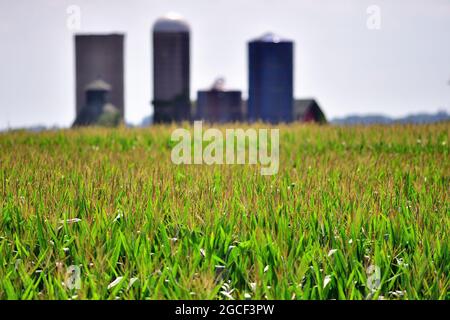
point(139, 227)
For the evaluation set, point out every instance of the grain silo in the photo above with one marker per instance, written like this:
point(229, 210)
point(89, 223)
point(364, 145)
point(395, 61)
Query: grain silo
point(270, 79)
point(100, 56)
point(171, 69)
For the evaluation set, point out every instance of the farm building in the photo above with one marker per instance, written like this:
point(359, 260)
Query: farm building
point(218, 104)
point(308, 110)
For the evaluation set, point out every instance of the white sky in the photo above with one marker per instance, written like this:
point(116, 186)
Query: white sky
point(402, 68)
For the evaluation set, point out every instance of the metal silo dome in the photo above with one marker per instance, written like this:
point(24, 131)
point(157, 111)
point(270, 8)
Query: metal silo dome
point(171, 22)
point(271, 37)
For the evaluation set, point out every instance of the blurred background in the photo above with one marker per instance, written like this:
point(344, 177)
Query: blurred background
point(356, 57)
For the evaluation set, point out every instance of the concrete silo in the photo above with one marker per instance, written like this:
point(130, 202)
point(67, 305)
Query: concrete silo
point(171, 69)
point(100, 56)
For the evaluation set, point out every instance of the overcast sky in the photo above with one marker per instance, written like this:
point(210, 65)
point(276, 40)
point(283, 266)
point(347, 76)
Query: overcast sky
point(402, 67)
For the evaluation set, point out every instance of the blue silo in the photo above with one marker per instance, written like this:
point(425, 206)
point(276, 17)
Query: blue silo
point(270, 79)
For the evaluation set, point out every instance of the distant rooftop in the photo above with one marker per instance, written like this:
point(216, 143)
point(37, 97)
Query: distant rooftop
point(171, 22)
point(271, 37)
point(98, 85)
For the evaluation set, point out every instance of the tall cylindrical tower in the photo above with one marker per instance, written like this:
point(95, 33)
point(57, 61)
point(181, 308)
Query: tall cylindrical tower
point(270, 79)
point(100, 55)
point(171, 70)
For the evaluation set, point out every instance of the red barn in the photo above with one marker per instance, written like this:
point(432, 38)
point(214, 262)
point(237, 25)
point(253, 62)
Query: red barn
point(308, 110)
